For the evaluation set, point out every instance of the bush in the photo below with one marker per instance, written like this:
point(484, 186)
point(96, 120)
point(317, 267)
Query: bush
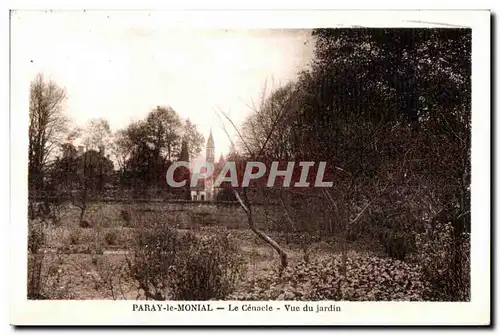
point(206, 268)
point(75, 236)
point(184, 267)
point(35, 277)
point(94, 248)
point(367, 278)
point(36, 237)
point(397, 244)
point(125, 216)
point(154, 253)
point(85, 224)
point(109, 277)
point(111, 237)
point(445, 260)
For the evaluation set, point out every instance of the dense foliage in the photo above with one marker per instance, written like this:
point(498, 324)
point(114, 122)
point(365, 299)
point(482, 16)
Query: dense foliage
point(366, 278)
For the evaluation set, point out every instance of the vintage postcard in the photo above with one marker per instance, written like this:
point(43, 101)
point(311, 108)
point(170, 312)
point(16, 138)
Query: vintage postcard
point(250, 167)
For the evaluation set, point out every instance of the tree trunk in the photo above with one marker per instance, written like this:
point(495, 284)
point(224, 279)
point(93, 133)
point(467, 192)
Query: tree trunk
point(261, 234)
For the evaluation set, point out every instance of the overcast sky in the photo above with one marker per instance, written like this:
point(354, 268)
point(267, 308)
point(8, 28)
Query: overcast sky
point(121, 65)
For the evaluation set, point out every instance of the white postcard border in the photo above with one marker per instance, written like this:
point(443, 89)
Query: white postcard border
point(24, 312)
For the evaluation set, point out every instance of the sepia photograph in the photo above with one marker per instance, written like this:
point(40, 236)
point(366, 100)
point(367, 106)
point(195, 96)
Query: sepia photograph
point(179, 167)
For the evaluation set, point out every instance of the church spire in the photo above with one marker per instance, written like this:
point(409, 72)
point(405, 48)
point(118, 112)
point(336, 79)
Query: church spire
point(209, 182)
point(210, 148)
point(210, 142)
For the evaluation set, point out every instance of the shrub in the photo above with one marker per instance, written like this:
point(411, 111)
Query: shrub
point(445, 260)
point(153, 255)
point(36, 237)
point(395, 226)
point(397, 244)
point(111, 237)
point(92, 249)
point(75, 236)
point(166, 263)
point(56, 210)
point(85, 224)
point(367, 278)
point(109, 277)
point(96, 248)
point(35, 277)
point(206, 268)
point(125, 216)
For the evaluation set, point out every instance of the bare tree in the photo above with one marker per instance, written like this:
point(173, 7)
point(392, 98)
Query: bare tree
point(261, 125)
point(47, 127)
point(257, 152)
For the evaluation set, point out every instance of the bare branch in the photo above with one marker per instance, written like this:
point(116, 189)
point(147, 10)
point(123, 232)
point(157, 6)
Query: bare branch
point(361, 212)
point(224, 127)
point(239, 134)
